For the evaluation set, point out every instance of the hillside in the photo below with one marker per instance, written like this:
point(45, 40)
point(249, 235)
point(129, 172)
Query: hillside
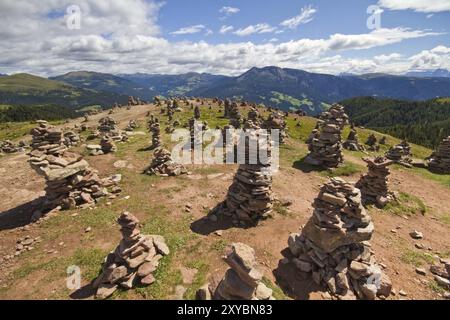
point(422, 122)
point(177, 207)
point(107, 83)
point(26, 89)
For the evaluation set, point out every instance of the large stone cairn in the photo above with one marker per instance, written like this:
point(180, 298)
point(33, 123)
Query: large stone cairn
point(156, 135)
point(134, 260)
point(333, 246)
point(440, 159)
point(326, 148)
point(374, 184)
point(163, 165)
point(400, 153)
point(352, 143)
point(227, 105)
point(250, 197)
point(372, 142)
point(276, 120)
point(70, 182)
point(242, 281)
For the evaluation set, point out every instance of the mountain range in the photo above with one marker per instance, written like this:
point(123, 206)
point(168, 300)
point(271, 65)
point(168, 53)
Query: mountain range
point(279, 87)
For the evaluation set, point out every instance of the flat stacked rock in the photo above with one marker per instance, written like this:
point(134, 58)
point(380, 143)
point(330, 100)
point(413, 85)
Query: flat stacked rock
point(326, 148)
point(372, 142)
point(333, 246)
point(134, 260)
point(276, 120)
point(400, 153)
point(374, 184)
point(107, 145)
point(163, 165)
point(156, 135)
point(70, 182)
point(250, 198)
point(440, 160)
point(243, 281)
point(352, 143)
point(8, 146)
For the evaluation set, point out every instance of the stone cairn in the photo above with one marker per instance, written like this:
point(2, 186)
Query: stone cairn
point(440, 160)
point(163, 165)
point(8, 146)
point(372, 142)
point(374, 184)
point(326, 148)
point(352, 143)
point(197, 113)
point(107, 125)
point(400, 153)
point(254, 116)
point(107, 145)
point(133, 261)
point(132, 124)
point(333, 246)
point(383, 140)
point(71, 138)
point(250, 198)
point(276, 120)
point(156, 135)
point(70, 182)
point(242, 281)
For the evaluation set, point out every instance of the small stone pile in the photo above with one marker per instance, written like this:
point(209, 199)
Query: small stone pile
point(440, 160)
point(352, 143)
point(374, 184)
point(243, 281)
point(441, 273)
point(132, 124)
point(227, 105)
point(107, 145)
point(71, 138)
point(107, 124)
point(372, 142)
point(326, 148)
point(333, 246)
point(156, 135)
point(132, 101)
point(197, 113)
point(134, 260)
point(26, 244)
point(400, 153)
point(8, 146)
point(276, 120)
point(254, 116)
point(163, 165)
point(70, 182)
point(250, 197)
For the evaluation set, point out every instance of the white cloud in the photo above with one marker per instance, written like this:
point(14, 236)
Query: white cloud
point(226, 29)
point(208, 32)
point(229, 10)
point(189, 30)
point(258, 28)
point(427, 6)
point(306, 15)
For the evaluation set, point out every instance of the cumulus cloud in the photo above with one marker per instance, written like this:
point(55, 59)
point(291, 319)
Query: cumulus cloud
point(189, 30)
point(427, 6)
point(257, 28)
point(229, 10)
point(123, 37)
point(306, 15)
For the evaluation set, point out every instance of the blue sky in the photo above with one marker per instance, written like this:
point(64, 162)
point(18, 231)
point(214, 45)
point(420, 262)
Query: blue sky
point(223, 36)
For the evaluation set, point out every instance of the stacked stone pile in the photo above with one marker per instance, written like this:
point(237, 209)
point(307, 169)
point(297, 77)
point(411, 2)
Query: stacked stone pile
point(250, 197)
point(134, 260)
point(107, 124)
point(352, 143)
point(227, 105)
point(440, 160)
point(132, 124)
point(383, 140)
point(325, 148)
point(276, 120)
point(156, 135)
point(71, 138)
point(132, 101)
point(70, 182)
point(254, 116)
point(400, 153)
point(374, 184)
point(372, 142)
point(242, 281)
point(8, 146)
point(163, 165)
point(197, 113)
point(333, 246)
point(107, 145)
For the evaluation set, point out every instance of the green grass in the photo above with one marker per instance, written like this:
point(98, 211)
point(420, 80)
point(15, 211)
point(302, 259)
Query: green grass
point(281, 210)
point(416, 258)
point(406, 205)
point(433, 285)
point(23, 81)
point(278, 294)
point(347, 169)
point(200, 278)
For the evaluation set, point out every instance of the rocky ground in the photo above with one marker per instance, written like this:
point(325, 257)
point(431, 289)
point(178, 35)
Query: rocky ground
point(176, 208)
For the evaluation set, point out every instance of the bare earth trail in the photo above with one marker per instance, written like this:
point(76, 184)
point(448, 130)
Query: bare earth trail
point(160, 205)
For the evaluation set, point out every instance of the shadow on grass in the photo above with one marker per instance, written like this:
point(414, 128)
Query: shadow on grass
point(306, 167)
point(21, 215)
